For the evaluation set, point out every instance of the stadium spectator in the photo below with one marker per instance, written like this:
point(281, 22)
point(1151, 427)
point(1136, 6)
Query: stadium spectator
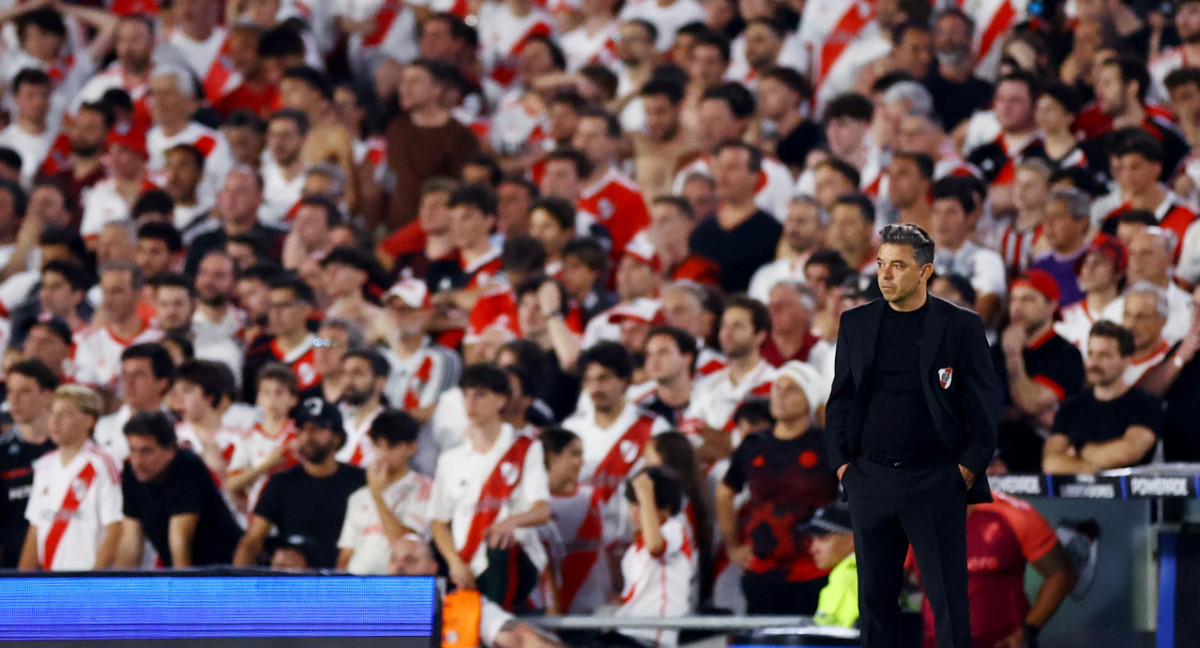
point(171, 501)
point(852, 230)
point(146, 374)
point(238, 201)
point(1110, 424)
point(29, 387)
point(201, 391)
point(98, 347)
point(792, 306)
point(1101, 273)
point(670, 359)
point(268, 447)
point(309, 499)
point(1173, 381)
point(1145, 313)
point(804, 233)
point(395, 502)
point(1065, 228)
point(1150, 262)
point(954, 217)
point(366, 373)
point(289, 304)
point(831, 545)
point(75, 503)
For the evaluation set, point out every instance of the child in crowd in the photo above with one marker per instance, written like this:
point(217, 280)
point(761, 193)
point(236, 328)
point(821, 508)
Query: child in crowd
point(267, 449)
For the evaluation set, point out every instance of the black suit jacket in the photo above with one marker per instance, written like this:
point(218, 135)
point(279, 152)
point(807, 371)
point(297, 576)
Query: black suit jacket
point(964, 411)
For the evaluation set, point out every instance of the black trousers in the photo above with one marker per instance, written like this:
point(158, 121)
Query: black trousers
point(891, 507)
point(767, 594)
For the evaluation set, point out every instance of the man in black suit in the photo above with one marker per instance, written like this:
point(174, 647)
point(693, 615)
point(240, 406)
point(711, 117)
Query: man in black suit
point(911, 426)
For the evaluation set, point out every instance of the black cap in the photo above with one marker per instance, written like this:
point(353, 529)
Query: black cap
point(316, 410)
point(303, 544)
point(834, 518)
point(55, 325)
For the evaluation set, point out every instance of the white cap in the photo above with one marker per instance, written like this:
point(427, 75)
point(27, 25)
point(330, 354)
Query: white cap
point(809, 379)
point(413, 292)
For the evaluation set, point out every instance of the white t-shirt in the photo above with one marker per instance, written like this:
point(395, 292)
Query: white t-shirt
point(218, 158)
point(253, 450)
point(458, 485)
point(394, 33)
point(667, 20)
point(93, 479)
point(715, 397)
point(409, 499)
point(658, 587)
point(109, 434)
point(32, 147)
point(98, 353)
point(582, 48)
point(226, 438)
point(279, 193)
point(983, 267)
point(1077, 322)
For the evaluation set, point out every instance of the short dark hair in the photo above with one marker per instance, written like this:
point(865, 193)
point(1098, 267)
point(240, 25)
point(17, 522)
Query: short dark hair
point(735, 95)
point(189, 150)
point(668, 492)
point(760, 317)
point(300, 288)
point(612, 125)
point(647, 26)
point(849, 104)
point(74, 273)
point(333, 215)
point(865, 207)
point(912, 236)
point(838, 268)
point(1180, 77)
point(295, 116)
point(103, 110)
point(1025, 78)
point(459, 29)
point(661, 87)
point(589, 251)
point(678, 202)
point(1122, 335)
point(440, 71)
point(1132, 70)
point(155, 201)
point(557, 58)
point(46, 19)
point(843, 168)
point(66, 237)
point(683, 340)
point(1135, 141)
point(556, 439)
point(38, 372)
point(281, 374)
point(161, 363)
point(610, 355)
point(10, 158)
point(956, 189)
point(752, 152)
point(477, 196)
point(523, 253)
point(379, 364)
point(208, 376)
point(1064, 95)
point(394, 427)
point(312, 77)
point(30, 76)
point(486, 375)
point(901, 30)
point(560, 209)
point(1138, 217)
point(924, 162)
point(583, 166)
point(281, 41)
point(710, 38)
point(160, 231)
point(790, 78)
point(154, 424)
point(246, 118)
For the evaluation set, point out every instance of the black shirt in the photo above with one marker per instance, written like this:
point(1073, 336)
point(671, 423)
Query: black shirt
point(1181, 424)
point(187, 488)
point(954, 101)
point(788, 481)
point(897, 422)
point(740, 251)
point(672, 415)
point(793, 148)
point(1175, 148)
point(1084, 419)
point(16, 475)
point(300, 504)
point(1050, 361)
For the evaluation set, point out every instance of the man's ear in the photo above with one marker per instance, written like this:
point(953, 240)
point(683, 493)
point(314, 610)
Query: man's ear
point(927, 272)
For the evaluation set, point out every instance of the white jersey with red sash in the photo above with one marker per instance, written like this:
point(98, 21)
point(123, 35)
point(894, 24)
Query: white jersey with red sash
point(582, 48)
point(218, 158)
point(715, 398)
point(993, 20)
point(1163, 64)
point(502, 37)
point(574, 540)
point(418, 380)
point(115, 77)
point(358, 450)
point(302, 360)
point(838, 38)
point(473, 490)
point(610, 456)
point(254, 450)
point(209, 60)
point(98, 352)
point(71, 505)
point(393, 33)
point(227, 439)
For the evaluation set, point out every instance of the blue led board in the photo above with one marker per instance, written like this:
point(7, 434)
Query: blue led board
point(188, 607)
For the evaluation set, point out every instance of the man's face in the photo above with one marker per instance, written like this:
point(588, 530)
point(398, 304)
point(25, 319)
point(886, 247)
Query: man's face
point(141, 390)
point(253, 297)
point(148, 460)
point(174, 307)
point(829, 549)
point(662, 118)
point(1185, 99)
point(788, 310)
point(635, 45)
point(32, 101)
point(483, 406)
point(561, 179)
point(731, 170)
point(26, 399)
point(829, 185)
point(914, 52)
point(635, 279)
point(1135, 174)
point(342, 279)
point(1096, 272)
point(311, 226)
point(286, 314)
point(720, 123)
point(1110, 91)
point(68, 424)
point(605, 388)
point(1014, 106)
point(239, 199)
point(899, 274)
point(183, 176)
point(120, 299)
point(906, 186)
point(418, 89)
point(294, 93)
point(316, 442)
point(775, 99)
point(1031, 189)
point(845, 135)
point(848, 230)
point(682, 310)
point(701, 195)
point(577, 277)
point(664, 362)
point(470, 227)
point(167, 101)
point(87, 133)
point(214, 279)
point(362, 385)
point(1149, 259)
point(512, 208)
point(707, 66)
point(411, 558)
point(1141, 317)
point(1187, 21)
point(332, 346)
point(788, 401)
point(762, 46)
point(284, 141)
point(592, 138)
point(737, 335)
point(57, 295)
point(1104, 364)
point(951, 223)
point(436, 41)
point(134, 43)
point(42, 344)
point(529, 316)
point(152, 257)
point(245, 143)
point(668, 223)
point(1061, 229)
point(951, 34)
point(1030, 308)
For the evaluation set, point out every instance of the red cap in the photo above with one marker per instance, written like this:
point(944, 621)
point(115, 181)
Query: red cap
point(129, 137)
point(1110, 247)
point(1039, 280)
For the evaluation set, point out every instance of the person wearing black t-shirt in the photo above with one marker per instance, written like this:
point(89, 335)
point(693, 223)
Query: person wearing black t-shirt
point(171, 500)
point(309, 499)
point(1177, 380)
point(1111, 424)
point(30, 385)
point(781, 93)
point(789, 477)
point(1035, 367)
point(740, 238)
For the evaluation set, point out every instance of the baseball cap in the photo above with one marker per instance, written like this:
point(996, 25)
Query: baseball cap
point(303, 544)
point(413, 292)
point(642, 309)
point(315, 409)
point(640, 249)
point(834, 518)
point(1108, 246)
point(1039, 280)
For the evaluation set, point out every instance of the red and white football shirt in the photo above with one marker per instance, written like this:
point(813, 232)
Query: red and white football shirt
point(71, 505)
point(408, 498)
